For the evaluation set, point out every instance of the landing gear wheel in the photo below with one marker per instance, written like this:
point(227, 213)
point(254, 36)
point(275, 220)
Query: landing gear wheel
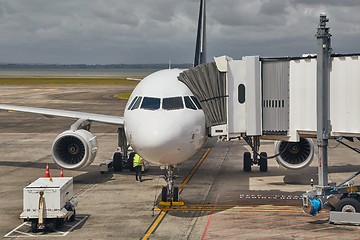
point(164, 194)
point(176, 194)
point(117, 161)
point(263, 162)
point(348, 205)
point(34, 227)
point(72, 218)
point(247, 162)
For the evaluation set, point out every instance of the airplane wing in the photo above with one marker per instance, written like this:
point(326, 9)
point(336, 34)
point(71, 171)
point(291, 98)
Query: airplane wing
point(64, 113)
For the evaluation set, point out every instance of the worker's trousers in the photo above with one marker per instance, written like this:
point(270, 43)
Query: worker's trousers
point(138, 173)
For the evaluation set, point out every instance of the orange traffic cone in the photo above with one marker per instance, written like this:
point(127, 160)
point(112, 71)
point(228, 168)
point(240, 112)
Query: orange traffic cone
point(47, 171)
point(61, 172)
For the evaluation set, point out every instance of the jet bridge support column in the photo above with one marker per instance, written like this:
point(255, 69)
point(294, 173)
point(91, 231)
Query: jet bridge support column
point(323, 98)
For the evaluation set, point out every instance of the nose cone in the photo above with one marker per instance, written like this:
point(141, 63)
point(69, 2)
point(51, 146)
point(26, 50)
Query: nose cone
point(165, 137)
point(159, 141)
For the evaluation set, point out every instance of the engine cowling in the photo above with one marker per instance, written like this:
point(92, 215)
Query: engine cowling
point(294, 155)
point(74, 149)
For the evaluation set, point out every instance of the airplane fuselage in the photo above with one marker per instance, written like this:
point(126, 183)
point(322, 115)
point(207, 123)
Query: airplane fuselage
point(164, 122)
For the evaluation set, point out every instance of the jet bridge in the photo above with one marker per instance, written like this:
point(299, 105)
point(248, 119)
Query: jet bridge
point(275, 97)
point(288, 99)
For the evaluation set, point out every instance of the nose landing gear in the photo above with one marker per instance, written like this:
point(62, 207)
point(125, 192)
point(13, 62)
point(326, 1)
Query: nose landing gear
point(169, 193)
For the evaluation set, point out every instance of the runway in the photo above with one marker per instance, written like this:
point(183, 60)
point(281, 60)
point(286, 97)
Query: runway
point(222, 202)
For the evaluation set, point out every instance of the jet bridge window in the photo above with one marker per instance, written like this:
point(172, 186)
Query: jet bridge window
point(189, 103)
point(172, 103)
point(150, 103)
point(241, 93)
point(137, 103)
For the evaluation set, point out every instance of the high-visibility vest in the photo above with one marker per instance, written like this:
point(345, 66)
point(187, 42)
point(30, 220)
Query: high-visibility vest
point(137, 160)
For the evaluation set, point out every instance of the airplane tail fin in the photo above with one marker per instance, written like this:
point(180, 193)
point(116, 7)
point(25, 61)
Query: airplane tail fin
point(200, 51)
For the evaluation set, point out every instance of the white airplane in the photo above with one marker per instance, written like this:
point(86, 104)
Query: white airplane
point(163, 122)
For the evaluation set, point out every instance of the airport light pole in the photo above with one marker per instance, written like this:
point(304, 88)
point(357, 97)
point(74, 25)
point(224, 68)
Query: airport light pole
point(323, 98)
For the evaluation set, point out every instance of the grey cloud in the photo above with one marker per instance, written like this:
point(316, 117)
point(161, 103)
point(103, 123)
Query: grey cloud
point(274, 7)
point(349, 3)
point(145, 31)
point(5, 9)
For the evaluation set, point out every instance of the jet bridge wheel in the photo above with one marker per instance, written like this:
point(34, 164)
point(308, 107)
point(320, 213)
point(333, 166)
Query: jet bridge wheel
point(348, 205)
point(247, 162)
point(263, 162)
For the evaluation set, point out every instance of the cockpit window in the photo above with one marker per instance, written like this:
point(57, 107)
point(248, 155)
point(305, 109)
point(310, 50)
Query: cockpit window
point(137, 103)
point(172, 103)
point(189, 103)
point(132, 102)
point(150, 103)
point(196, 102)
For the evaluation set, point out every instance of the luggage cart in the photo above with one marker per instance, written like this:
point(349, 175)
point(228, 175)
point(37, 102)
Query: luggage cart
point(48, 202)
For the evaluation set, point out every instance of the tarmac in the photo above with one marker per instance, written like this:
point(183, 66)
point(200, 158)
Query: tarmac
point(221, 201)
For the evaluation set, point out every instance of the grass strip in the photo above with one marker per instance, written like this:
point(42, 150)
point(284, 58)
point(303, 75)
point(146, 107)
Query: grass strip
point(121, 80)
point(125, 96)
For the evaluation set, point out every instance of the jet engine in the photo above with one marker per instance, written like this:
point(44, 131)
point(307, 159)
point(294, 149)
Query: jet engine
point(74, 149)
point(294, 155)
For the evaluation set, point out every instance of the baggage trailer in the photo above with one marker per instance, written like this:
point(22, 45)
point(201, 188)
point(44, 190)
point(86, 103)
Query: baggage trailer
point(48, 202)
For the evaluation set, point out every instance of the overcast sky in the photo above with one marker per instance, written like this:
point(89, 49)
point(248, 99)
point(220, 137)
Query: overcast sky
point(156, 31)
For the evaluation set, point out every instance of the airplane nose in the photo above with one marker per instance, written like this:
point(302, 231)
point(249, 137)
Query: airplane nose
point(159, 133)
point(158, 141)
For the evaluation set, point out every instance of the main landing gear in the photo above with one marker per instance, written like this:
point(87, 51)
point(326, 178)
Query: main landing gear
point(169, 193)
point(258, 159)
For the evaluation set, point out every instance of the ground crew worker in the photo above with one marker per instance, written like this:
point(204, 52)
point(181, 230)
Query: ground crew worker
point(138, 162)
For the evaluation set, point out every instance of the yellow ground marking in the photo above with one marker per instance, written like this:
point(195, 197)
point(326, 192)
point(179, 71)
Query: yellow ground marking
point(163, 212)
point(187, 179)
point(232, 209)
point(155, 224)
